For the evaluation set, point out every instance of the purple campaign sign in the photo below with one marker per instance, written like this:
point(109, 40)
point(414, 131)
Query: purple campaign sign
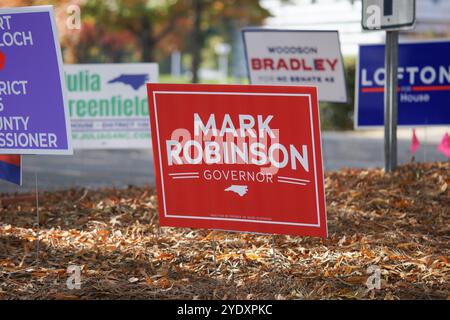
point(33, 110)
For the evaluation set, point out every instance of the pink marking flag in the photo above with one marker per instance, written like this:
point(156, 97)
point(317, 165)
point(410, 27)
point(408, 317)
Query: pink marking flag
point(444, 146)
point(415, 143)
point(11, 168)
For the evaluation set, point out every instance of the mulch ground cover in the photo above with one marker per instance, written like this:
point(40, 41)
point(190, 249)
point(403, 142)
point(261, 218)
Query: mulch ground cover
point(395, 224)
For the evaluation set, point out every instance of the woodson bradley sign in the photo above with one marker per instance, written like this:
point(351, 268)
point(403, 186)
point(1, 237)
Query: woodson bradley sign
point(244, 158)
point(294, 57)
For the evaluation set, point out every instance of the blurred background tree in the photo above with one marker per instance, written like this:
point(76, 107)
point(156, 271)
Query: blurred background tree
point(148, 30)
point(216, 17)
point(158, 27)
point(127, 30)
point(339, 116)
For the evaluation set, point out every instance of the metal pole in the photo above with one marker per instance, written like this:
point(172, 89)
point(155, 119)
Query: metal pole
point(273, 248)
point(213, 245)
point(391, 101)
point(426, 141)
point(38, 218)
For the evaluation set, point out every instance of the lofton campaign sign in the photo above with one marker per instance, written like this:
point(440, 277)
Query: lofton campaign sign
point(423, 79)
point(33, 113)
point(244, 158)
point(291, 57)
point(108, 104)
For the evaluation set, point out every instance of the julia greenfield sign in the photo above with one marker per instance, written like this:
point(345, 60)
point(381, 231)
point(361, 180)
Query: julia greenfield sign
point(244, 158)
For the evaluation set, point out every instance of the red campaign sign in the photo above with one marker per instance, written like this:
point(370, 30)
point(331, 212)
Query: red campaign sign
point(241, 158)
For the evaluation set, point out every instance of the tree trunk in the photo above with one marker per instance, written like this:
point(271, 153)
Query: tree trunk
point(147, 41)
point(197, 40)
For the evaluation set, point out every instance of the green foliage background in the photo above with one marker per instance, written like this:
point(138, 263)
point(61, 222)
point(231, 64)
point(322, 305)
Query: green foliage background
point(339, 116)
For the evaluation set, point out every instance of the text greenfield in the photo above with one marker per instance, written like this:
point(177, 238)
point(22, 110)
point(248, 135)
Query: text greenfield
point(248, 140)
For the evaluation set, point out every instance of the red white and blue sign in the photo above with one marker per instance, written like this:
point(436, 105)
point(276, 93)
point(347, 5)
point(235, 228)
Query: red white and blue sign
point(11, 168)
point(424, 85)
point(34, 116)
point(241, 158)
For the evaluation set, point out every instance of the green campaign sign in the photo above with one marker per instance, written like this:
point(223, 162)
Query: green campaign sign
point(108, 104)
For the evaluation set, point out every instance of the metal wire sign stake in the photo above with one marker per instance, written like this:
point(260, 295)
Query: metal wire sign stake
point(37, 219)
